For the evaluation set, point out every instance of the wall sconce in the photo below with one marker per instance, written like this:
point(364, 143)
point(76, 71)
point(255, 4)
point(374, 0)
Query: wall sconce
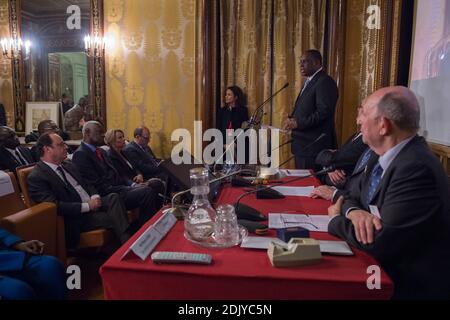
point(12, 48)
point(94, 46)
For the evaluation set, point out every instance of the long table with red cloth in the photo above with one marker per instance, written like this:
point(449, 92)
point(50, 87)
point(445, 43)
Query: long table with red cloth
point(241, 274)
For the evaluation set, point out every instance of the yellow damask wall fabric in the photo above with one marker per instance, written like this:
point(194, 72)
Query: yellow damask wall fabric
point(6, 97)
point(246, 52)
point(150, 70)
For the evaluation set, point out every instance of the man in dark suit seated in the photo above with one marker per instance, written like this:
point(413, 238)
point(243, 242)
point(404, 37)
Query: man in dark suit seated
point(25, 274)
point(349, 160)
point(312, 120)
point(96, 168)
point(12, 154)
point(399, 213)
point(53, 180)
point(141, 155)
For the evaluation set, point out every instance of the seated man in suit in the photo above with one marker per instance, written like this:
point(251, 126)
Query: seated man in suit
point(12, 154)
point(25, 274)
point(53, 180)
point(333, 193)
point(140, 154)
point(399, 213)
point(350, 161)
point(96, 168)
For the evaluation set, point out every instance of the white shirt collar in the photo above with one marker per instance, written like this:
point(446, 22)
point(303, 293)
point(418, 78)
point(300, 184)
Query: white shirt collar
point(310, 78)
point(386, 159)
point(51, 165)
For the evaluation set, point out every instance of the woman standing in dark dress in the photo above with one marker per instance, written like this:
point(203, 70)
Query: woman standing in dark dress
point(233, 113)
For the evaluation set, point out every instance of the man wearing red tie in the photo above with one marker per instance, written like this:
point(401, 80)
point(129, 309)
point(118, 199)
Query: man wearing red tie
point(97, 169)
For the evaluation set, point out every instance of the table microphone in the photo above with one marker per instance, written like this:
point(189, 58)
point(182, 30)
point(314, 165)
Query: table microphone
point(248, 213)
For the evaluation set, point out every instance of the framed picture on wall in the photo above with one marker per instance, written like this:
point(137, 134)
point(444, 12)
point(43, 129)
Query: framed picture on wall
point(38, 111)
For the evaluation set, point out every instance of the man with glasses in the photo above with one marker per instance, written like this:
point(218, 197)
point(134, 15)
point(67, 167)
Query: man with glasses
point(141, 155)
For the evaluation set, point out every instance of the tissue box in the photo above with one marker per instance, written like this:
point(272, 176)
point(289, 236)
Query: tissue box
point(286, 234)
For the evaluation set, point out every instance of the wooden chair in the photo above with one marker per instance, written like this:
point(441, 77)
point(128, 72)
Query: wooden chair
point(37, 222)
point(90, 239)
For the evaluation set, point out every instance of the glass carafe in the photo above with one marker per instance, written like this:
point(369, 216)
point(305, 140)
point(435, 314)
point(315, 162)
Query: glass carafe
point(200, 218)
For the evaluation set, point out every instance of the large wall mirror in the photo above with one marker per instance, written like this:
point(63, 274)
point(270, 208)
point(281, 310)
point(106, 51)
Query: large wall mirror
point(58, 68)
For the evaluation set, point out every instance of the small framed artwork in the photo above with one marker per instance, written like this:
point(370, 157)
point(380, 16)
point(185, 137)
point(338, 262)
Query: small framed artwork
point(38, 111)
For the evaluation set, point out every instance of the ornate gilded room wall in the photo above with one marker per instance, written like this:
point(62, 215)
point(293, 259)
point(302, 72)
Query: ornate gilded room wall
point(6, 95)
point(371, 55)
point(247, 57)
point(151, 71)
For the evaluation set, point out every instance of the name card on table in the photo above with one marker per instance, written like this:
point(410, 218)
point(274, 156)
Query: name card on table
point(148, 240)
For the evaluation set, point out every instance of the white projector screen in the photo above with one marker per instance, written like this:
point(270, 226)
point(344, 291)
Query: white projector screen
point(430, 68)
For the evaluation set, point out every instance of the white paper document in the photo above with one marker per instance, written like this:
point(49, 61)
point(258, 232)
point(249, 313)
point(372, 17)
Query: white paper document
point(6, 186)
point(340, 248)
point(318, 223)
point(259, 242)
point(296, 172)
point(294, 191)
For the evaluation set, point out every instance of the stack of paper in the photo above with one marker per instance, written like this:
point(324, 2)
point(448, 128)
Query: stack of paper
point(318, 223)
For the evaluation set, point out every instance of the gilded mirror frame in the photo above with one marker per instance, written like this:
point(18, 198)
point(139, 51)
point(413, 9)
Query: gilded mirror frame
point(96, 72)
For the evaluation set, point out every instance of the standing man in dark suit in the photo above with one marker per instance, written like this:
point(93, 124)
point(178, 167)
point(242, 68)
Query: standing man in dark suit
point(25, 274)
point(399, 214)
point(53, 180)
point(312, 121)
point(12, 154)
point(96, 168)
point(141, 155)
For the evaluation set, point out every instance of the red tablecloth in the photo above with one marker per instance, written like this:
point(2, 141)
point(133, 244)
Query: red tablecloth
point(238, 273)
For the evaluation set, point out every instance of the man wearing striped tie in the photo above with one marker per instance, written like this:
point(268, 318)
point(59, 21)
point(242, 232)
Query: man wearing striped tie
point(399, 213)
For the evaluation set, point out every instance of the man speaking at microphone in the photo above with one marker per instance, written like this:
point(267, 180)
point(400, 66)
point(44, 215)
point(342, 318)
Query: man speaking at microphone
point(313, 115)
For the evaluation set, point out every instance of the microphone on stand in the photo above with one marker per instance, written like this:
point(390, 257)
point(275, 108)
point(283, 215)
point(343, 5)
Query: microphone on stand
point(322, 135)
point(252, 122)
point(248, 213)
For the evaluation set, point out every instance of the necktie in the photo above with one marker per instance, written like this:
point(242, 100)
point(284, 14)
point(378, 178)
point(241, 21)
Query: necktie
point(374, 181)
point(63, 175)
point(363, 160)
point(305, 85)
point(21, 158)
point(99, 154)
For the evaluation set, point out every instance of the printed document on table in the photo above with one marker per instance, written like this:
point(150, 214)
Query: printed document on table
point(318, 223)
point(294, 191)
point(296, 172)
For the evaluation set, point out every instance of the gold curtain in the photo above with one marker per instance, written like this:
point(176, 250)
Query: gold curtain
point(6, 96)
point(250, 61)
point(151, 71)
point(371, 55)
